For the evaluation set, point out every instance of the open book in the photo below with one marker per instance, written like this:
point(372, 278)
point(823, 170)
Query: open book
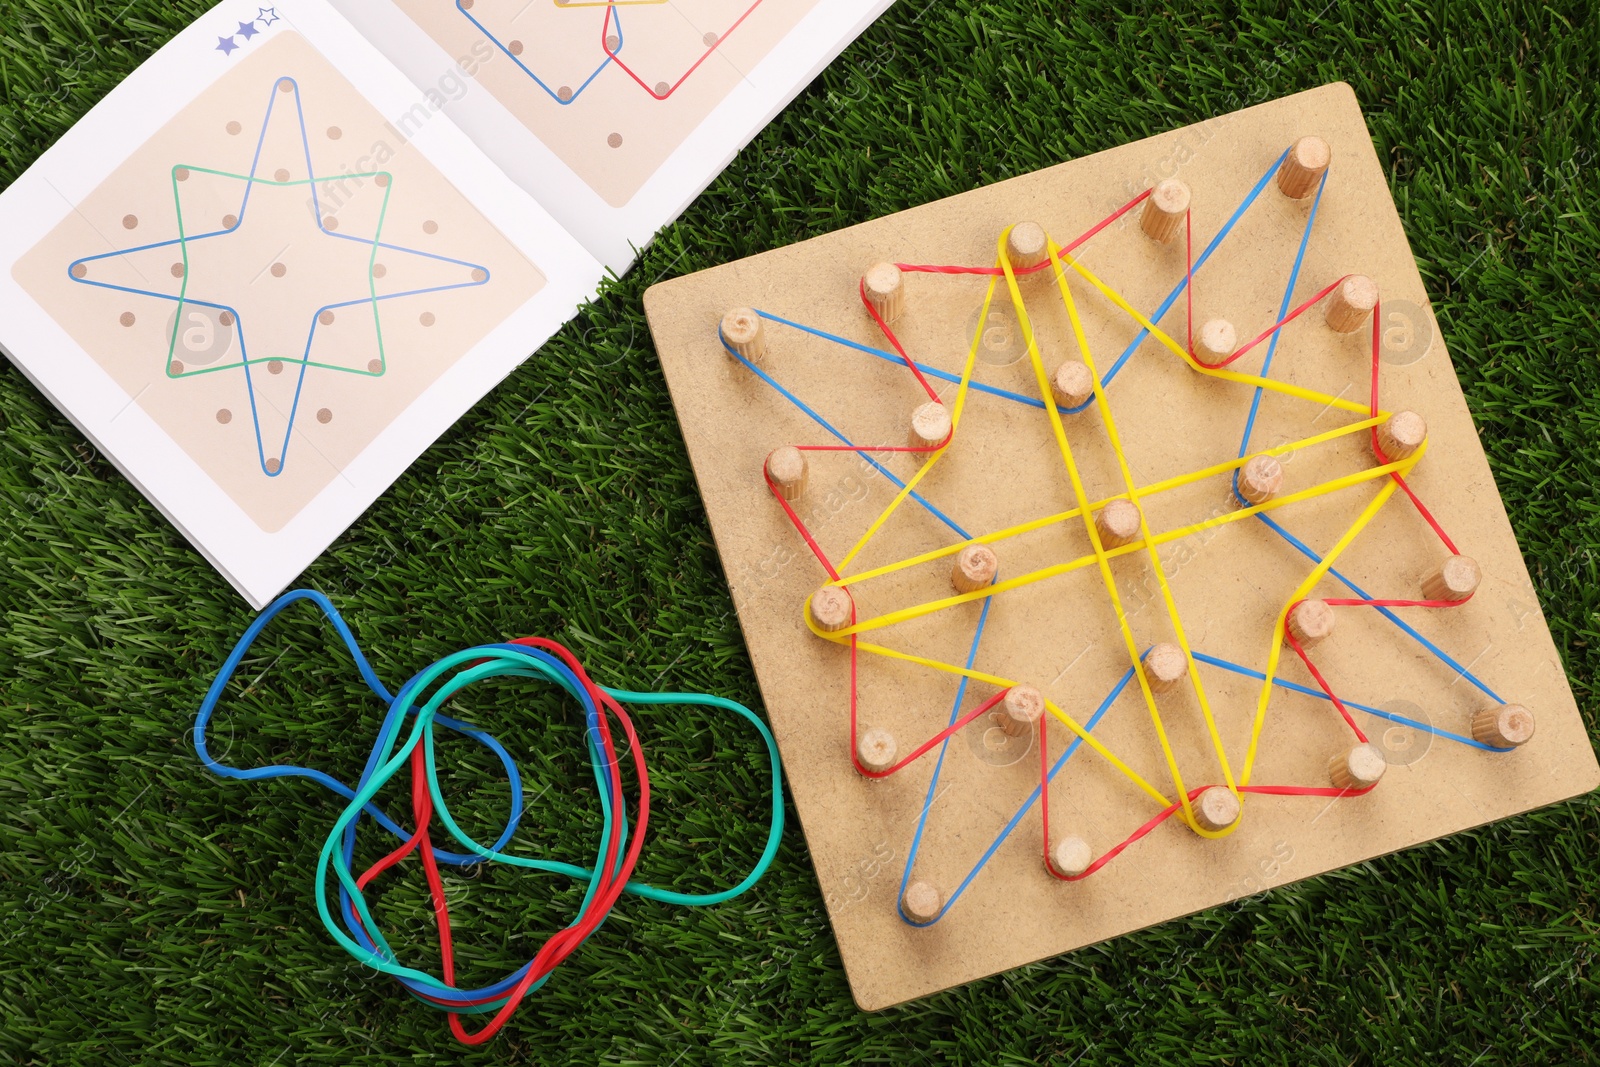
point(291, 249)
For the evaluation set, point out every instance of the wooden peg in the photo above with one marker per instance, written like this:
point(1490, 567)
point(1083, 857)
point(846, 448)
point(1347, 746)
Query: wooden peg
point(1165, 666)
point(1401, 434)
point(1216, 342)
point(921, 902)
point(1455, 579)
point(1072, 856)
point(1216, 808)
point(830, 608)
point(1021, 709)
point(1260, 479)
point(885, 290)
point(975, 568)
point(930, 425)
point(787, 468)
point(1303, 167)
point(1311, 621)
point(1072, 384)
point(741, 329)
point(1025, 245)
point(875, 749)
point(1503, 726)
point(1118, 523)
point(1359, 768)
point(1165, 210)
point(1350, 304)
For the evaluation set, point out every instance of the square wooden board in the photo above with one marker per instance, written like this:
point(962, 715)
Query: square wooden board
point(1061, 635)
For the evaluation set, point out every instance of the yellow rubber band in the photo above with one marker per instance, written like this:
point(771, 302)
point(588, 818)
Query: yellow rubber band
point(1153, 488)
point(917, 611)
point(1148, 542)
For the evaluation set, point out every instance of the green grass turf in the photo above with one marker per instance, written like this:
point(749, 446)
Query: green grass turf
point(152, 913)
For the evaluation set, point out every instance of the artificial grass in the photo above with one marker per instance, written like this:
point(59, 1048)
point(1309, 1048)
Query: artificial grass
point(156, 914)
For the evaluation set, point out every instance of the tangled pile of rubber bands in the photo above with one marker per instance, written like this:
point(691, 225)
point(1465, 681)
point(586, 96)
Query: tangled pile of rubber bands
point(419, 700)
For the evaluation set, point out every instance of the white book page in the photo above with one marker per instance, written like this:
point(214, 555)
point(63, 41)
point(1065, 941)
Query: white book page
point(265, 273)
point(613, 115)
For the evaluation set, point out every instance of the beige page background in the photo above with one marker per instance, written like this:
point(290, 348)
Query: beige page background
point(613, 131)
point(208, 334)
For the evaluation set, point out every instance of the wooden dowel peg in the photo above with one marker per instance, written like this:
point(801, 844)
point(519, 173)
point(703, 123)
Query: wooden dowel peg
point(1401, 434)
point(1072, 384)
point(1216, 808)
point(1216, 342)
point(1118, 523)
point(975, 569)
point(1164, 210)
point(885, 289)
point(1455, 579)
point(921, 902)
point(875, 749)
point(1349, 305)
point(1303, 167)
point(1165, 666)
point(1072, 856)
point(830, 608)
point(741, 329)
point(1359, 768)
point(1020, 710)
point(1311, 621)
point(930, 425)
point(1025, 245)
point(1260, 479)
point(787, 468)
point(1503, 726)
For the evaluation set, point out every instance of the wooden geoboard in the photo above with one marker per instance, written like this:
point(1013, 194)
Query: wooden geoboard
point(1230, 582)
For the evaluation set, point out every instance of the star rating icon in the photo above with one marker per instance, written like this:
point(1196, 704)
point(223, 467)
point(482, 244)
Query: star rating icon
point(264, 15)
point(289, 292)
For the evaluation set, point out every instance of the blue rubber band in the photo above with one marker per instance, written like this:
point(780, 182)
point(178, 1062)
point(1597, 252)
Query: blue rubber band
point(362, 938)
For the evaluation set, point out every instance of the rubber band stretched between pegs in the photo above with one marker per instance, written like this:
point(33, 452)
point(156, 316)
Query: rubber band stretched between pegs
point(1061, 261)
point(964, 383)
point(607, 880)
